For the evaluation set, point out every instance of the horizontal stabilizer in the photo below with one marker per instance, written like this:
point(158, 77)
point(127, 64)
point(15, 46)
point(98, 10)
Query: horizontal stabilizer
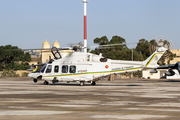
point(153, 71)
point(173, 66)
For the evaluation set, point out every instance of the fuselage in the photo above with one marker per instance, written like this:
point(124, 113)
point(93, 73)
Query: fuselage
point(87, 67)
point(84, 67)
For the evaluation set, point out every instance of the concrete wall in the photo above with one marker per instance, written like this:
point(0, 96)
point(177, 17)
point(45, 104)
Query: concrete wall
point(20, 72)
point(147, 75)
point(1, 73)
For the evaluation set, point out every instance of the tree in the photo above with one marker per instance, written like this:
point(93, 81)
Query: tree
point(143, 48)
point(167, 56)
point(11, 57)
point(121, 52)
point(115, 52)
point(117, 39)
point(137, 56)
point(101, 41)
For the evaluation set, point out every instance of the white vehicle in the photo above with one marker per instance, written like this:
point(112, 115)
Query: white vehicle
point(87, 67)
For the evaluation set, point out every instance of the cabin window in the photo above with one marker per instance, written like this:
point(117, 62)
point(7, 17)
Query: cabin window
point(64, 69)
point(103, 59)
point(56, 69)
point(48, 70)
point(72, 69)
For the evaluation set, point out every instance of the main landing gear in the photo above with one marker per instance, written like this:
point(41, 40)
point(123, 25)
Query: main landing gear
point(81, 83)
point(46, 83)
point(93, 83)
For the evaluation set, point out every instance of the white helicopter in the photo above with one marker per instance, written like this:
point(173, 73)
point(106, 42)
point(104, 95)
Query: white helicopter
point(84, 67)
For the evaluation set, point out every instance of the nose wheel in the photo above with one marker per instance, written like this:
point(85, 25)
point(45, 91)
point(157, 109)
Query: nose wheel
point(35, 80)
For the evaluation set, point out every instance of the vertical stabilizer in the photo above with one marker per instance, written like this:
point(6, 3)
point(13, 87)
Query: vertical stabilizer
point(151, 62)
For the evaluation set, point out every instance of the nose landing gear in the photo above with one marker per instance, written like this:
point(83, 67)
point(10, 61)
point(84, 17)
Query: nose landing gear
point(35, 80)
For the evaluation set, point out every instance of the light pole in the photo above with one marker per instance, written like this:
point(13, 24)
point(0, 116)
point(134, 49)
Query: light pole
point(85, 26)
point(132, 60)
point(132, 53)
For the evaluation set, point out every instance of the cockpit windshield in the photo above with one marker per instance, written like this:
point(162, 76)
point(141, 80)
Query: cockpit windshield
point(43, 68)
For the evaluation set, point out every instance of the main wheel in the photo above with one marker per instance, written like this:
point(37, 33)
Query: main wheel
point(53, 82)
point(93, 83)
point(46, 82)
point(81, 83)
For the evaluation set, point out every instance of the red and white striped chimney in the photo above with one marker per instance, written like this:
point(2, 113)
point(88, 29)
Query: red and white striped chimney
point(85, 26)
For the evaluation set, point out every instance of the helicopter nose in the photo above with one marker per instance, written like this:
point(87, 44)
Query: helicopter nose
point(30, 75)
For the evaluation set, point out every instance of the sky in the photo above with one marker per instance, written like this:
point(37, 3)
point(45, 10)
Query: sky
point(28, 23)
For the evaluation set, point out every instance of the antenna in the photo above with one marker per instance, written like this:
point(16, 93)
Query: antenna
point(85, 26)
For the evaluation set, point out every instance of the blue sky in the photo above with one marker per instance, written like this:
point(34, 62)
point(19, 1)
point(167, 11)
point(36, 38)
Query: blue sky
point(28, 23)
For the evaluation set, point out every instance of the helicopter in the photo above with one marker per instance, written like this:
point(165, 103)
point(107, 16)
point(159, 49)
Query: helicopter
point(84, 67)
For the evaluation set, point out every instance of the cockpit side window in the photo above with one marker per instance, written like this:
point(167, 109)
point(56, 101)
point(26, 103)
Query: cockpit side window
point(56, 69)
point(48, 70)
point(64, 69)
point(72, 69)
point(43, 68)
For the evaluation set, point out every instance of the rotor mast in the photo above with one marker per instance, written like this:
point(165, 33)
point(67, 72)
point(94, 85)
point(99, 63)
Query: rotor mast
point(85, 26)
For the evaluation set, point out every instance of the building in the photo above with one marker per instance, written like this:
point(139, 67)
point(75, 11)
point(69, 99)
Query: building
point(177, 58)
point(146, 73)
point(44, 55)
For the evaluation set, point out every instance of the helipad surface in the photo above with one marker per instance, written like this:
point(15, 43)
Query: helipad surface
point(122, 99)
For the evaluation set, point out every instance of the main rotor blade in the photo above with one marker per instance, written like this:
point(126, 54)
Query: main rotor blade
point(113, 44)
